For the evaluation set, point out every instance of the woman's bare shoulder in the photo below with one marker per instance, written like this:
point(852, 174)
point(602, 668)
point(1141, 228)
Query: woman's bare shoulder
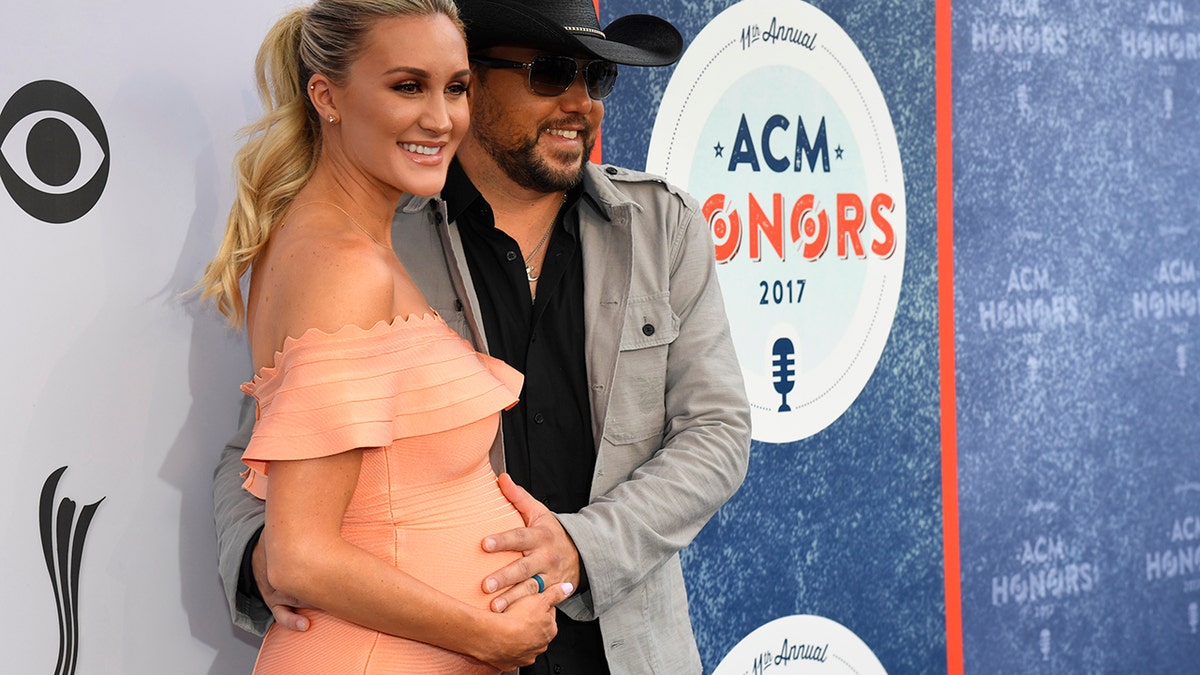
point(324, 277)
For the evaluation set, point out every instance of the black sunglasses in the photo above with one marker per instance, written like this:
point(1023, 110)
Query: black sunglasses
point(552, 75)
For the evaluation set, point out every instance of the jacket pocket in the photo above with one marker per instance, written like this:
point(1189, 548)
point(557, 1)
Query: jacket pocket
point(636, 409)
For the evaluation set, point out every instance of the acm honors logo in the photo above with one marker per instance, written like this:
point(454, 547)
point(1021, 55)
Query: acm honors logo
point(54, 155)
point(64, 530)
point(774, 121)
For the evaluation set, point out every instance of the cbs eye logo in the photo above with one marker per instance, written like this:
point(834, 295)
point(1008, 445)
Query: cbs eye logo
point(53, 151)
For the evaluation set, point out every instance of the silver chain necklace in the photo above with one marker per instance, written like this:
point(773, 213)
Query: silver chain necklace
point(545, 235)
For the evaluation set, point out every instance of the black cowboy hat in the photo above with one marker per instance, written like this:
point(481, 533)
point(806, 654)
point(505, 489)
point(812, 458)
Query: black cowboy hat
point(568, 27)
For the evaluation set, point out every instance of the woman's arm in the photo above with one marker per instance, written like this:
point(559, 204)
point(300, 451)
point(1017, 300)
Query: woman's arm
point(307, 558)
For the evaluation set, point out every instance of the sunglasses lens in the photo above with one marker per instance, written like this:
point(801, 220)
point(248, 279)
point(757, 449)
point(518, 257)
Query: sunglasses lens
point(551, 75)
point(600, 77)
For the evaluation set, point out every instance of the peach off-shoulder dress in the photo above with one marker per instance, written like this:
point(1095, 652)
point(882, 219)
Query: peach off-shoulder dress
point(426, 406)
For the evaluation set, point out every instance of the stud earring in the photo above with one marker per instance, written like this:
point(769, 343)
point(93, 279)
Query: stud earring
point(332, 119)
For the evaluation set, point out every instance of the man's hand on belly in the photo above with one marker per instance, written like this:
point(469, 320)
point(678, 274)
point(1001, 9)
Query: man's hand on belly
point(547, 550)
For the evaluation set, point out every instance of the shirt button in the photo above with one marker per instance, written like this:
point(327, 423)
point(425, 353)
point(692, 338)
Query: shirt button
point(437, 217)
point(557, 668)
point(612, 170)
point(539, 418)
point(512, 255)
point(648, 330)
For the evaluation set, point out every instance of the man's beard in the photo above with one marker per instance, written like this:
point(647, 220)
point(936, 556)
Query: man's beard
point(520, 159)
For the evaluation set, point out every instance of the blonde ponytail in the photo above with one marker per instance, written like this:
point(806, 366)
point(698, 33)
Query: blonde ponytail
point(276, 161)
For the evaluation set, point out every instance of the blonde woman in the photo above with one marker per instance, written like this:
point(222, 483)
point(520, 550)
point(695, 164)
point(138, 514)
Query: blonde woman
point(375, 418)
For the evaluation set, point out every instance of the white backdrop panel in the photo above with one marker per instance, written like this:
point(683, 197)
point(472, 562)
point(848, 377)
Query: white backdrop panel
point(106, 371)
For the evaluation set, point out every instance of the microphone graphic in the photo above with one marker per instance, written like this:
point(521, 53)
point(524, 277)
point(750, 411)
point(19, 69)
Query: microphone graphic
point(784, 370)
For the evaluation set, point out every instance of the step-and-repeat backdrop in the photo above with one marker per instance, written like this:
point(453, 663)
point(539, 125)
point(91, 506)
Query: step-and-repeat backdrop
point(1077, 238)
point(807, 131)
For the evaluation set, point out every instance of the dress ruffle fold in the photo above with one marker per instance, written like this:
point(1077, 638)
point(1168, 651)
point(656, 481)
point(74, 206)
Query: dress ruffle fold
point(365, 388)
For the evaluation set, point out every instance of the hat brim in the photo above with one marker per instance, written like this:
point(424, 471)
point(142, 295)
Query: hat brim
point(634, 40)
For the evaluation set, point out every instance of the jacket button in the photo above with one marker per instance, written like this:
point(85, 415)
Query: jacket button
point(612, 170)
point(648, 330)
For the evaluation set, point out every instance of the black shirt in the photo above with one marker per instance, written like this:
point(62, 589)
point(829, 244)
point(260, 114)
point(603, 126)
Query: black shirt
point(548, 445)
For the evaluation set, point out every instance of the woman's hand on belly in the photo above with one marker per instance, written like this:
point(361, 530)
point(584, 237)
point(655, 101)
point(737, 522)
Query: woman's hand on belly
point(515, 637)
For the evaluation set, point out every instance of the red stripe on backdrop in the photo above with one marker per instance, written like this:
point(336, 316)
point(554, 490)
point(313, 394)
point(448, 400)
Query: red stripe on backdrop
point(597, 150)
point(945, 255)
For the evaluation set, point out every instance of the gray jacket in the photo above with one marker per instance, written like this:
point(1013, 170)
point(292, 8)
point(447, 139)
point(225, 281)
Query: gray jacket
point(669, 410)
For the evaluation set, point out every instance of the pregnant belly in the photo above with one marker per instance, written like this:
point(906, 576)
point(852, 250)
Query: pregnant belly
point(435, 533)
